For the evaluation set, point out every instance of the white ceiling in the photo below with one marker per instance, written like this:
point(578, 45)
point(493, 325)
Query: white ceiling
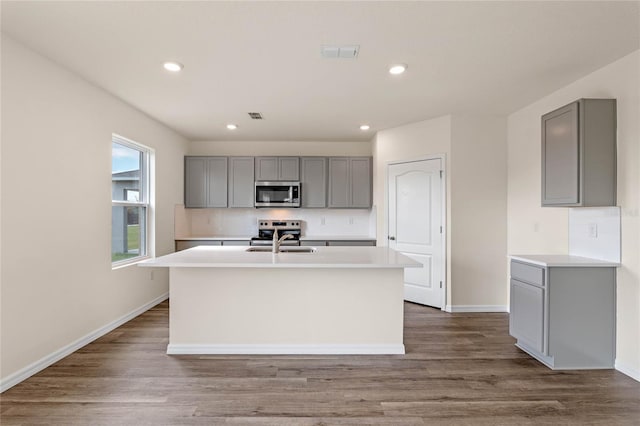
point(463, 57)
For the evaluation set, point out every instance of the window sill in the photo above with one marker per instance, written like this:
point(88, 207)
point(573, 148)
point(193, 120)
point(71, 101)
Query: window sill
point(124, 263)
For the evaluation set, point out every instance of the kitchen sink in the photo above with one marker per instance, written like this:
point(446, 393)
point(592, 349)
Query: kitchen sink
point(264, 249)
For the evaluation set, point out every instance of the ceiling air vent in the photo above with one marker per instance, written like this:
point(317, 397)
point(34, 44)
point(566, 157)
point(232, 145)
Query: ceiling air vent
point(255, 115)
point(340, 52)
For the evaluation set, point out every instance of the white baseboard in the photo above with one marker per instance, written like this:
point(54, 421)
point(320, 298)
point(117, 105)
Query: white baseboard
point(476, 308)
point(56, 356)
point(628, 370)
point(177, 349)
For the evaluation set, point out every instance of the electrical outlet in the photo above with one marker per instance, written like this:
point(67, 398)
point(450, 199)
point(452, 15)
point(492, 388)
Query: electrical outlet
point(592, 230)
point(153, 275)
point(350, 221)
point(322, 221)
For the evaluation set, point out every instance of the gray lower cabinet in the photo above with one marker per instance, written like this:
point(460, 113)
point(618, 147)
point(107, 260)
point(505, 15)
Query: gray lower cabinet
point(564, 316)
point(579, 154)
point(205, 182)
point(314, 243)
point(350, 182)
point(236, 242)
point(187, 244)
point(241, 182)
point(351, 243)
point(313, 182)
point(277, 168)
point(345, 243)
point(527, 319)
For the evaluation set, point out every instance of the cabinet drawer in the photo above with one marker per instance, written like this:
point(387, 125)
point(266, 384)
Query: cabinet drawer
point(527, 273)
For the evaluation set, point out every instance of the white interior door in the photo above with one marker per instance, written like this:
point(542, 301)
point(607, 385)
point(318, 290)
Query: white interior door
point(415, 227)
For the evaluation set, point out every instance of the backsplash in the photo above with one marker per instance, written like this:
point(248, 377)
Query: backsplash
point(595, 232)
point(243, 221)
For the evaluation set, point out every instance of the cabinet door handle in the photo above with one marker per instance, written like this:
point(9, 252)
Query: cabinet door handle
point(392, 238)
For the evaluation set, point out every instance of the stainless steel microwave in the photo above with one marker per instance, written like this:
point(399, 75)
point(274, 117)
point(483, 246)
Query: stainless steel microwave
point(277, 194)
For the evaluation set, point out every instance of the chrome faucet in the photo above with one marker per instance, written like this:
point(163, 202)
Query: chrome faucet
point(276, 241)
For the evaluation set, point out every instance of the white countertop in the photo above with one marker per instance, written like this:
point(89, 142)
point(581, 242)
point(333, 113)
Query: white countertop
point(324, 257)
point(563, 260)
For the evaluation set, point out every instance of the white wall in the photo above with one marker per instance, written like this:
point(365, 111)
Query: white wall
point(283, 148)
point(479, 211)
point(57, 281)
point(475, 150)
point(533, 229)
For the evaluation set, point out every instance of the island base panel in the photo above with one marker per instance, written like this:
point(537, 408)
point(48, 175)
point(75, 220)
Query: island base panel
point(275, 311)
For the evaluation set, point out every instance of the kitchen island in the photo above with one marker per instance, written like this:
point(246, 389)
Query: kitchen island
point(334, 300)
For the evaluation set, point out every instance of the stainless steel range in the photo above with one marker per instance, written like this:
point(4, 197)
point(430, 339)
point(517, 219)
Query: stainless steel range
point(267, 227)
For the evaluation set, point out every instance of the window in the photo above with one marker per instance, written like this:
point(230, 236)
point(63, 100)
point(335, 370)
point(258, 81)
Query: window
point(130, 205)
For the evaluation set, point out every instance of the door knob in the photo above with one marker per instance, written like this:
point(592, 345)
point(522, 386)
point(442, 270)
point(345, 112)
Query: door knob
point(392, 238)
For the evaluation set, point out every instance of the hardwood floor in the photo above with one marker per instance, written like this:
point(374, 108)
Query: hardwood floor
point(460, 369)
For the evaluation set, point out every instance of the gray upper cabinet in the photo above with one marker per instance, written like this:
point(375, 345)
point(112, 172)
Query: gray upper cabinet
point(289, 168)
point(241, 181)
point(335, 182)
point(350, 182)
point(195, 182)
point(266, 168)
point(277, 168)
point(579, 154)
point(339, 185)
point(313, 181)
point(205, 182)
point(361, 182)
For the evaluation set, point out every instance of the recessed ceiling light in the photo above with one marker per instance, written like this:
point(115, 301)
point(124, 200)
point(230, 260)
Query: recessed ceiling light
point(365, 127)
point(173, 66)
point(231, 126)
point(397, 69)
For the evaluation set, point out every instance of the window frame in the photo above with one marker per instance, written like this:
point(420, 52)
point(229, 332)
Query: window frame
point(146, 196)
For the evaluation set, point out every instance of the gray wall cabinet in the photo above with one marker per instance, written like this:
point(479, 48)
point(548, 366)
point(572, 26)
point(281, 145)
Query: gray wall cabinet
point(350, 182)
point(205, 182)
point(241, 182)
point(564, 316)
point(334, 182)
point(579, 154)
point(277, 168)
point(313, 181)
